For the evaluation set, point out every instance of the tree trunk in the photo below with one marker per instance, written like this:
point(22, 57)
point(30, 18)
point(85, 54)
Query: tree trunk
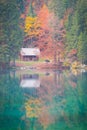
point(55, 57)
point(58, 58)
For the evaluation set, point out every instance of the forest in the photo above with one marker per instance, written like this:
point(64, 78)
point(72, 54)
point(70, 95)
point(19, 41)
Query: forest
point(57, 28)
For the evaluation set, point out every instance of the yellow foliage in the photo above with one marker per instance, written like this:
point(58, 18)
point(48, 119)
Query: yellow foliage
point(32, 25)
point(74, 65)
point(67, 64)
point(74, 71)
point(30, 19)
point(33, 108)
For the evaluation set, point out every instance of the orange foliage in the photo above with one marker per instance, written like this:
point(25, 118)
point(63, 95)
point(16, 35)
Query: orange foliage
point(44, 17)
point(73, 51)
point(67, 13)
point(44, 27)
point(45, 117)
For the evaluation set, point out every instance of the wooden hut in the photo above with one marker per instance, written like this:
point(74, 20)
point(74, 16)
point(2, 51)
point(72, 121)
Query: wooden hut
point(29, 54)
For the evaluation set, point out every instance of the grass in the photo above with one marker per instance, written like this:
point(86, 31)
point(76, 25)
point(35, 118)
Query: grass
point(29, 63)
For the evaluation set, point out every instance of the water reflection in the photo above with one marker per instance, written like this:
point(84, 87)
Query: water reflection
point(30, 81)
point(44, 100)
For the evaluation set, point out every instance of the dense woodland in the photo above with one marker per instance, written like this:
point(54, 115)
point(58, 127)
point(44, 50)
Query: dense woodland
point(58, 28)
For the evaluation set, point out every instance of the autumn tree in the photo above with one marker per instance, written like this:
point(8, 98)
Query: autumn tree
point(50, 32)
point(37, 30)
point(32, 25)
point(44, 39)
point(57, 33)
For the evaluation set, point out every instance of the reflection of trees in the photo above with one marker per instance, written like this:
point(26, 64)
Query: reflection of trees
point(56, 104)
point(82, 91)
point(39, 107)
point(51, 86)
point(68, 104)
point(50, 92)
point(11, 102)
point(33, 107)
point(75, 108)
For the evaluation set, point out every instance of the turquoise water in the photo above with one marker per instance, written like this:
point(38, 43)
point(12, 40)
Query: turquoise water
point(43, 100)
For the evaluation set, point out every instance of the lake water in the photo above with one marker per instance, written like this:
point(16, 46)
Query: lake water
point(43, 100)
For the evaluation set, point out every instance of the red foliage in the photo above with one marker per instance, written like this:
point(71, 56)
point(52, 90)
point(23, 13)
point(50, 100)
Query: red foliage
point(44, 17)
point(73, 51)
point(50, 29)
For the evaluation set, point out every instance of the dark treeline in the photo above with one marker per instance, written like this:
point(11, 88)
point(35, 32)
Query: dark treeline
point(10, 32)
point(75, 12)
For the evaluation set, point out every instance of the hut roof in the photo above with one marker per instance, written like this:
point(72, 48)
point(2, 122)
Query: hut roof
point(30, 51)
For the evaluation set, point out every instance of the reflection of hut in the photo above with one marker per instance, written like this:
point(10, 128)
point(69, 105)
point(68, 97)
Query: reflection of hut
point(29, 54)
point(30, 81)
